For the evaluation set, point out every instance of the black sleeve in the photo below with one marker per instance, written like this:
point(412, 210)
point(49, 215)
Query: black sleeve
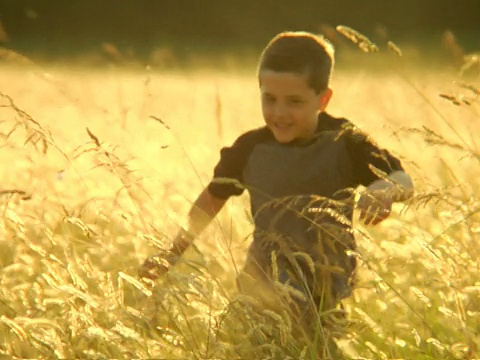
point(232, 162)
point(365, 154)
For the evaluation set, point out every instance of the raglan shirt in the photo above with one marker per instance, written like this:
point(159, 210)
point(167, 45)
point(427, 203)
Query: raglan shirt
point(284, 180)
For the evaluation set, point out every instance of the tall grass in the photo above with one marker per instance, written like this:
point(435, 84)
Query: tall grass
point(96, 176)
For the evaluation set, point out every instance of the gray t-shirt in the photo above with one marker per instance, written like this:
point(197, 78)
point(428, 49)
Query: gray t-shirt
point(301, 193)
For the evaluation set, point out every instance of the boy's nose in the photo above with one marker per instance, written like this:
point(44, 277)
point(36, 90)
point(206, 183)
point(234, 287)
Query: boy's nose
point(279, 111)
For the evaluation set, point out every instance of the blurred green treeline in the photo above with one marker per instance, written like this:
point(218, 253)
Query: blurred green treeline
point(71, 27)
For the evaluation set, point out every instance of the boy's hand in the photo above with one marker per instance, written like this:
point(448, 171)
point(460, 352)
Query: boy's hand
point(157, 265)
point(374, 206)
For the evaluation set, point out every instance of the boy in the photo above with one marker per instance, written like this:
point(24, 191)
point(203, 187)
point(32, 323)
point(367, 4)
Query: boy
point(301, 170)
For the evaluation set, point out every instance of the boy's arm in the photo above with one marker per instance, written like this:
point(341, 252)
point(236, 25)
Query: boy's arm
point(203, 210)
point(375, 203)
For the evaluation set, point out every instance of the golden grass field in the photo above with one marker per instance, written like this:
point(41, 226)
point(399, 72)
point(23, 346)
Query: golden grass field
point(80, 212)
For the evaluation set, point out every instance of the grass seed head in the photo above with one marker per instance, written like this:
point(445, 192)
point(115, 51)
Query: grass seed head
point(357, 38)
point(392, 46)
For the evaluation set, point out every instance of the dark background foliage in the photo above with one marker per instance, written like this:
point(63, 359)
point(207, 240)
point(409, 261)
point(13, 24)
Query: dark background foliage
point(69, 27)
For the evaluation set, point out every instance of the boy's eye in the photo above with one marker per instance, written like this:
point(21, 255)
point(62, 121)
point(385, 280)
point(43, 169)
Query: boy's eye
point(269, 99)
point(296, 101)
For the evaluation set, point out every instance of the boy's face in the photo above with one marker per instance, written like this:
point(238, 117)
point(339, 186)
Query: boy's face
point(290, 106)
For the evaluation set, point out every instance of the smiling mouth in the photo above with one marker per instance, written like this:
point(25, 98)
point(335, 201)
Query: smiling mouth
point(282, 125)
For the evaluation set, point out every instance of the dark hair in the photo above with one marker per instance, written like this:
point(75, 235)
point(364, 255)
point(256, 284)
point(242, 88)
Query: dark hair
point(302, 53)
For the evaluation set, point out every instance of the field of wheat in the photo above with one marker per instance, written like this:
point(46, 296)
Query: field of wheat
point(100, 166)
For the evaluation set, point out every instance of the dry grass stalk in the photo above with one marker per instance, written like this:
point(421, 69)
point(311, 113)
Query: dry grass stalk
point(23, 195)
point(462, 99)
point(66, 296)
point(14, 58)
point(465, 62)
point(470, 87)
point(450, 43)
point(392, 46)
point(357, 38)
point(156, 118)
point(452, 98)
point(107, 159)
point(470, 61)
point(35, 133)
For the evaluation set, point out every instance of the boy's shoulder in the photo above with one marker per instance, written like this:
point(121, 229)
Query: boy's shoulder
point(327, 122)
point(252, 137)
point(342, 127)
point(343, 130)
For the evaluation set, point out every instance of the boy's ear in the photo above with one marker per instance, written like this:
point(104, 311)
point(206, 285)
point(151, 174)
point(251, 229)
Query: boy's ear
point(324, 99)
